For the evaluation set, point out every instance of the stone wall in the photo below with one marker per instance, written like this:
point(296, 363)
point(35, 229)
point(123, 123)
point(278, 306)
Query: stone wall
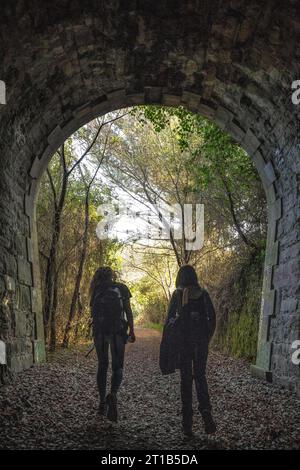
point(67, 62)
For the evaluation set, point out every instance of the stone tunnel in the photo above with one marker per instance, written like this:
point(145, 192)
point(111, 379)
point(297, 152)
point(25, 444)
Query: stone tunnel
point(66, 62)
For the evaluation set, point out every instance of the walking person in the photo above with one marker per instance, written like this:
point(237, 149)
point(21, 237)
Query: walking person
point(112, 316)
point(191, 314)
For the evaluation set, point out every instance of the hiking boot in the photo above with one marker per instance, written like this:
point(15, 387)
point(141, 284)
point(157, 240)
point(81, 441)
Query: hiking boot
point(187, 421)
point(102, 410)
point(187, 431)
point(209, 424)
point(112, 409)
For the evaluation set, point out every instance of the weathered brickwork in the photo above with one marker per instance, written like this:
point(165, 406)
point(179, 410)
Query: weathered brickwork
point(65, 63)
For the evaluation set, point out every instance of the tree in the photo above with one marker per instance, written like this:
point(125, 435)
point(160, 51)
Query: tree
point(68, 167)
point(88, 186)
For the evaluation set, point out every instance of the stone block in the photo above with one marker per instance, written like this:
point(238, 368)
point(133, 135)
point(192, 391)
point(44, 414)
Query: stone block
point(190, 101)
point(10, 283)
point(3, 360)
point(56, 137)
point(39, 325)
point(20, 362)
point(20, 324)
point(135, 99)
point(153, 95)
point(29, 249)
point(276, 208)
point(29, 205)
point(223, 117)
point(269, 173)
point(272, 254)
point(269, 303)
point(39, 351)
point(24, 271)
point(8, 264)
point(235, 131)
point(36, 168)
point(261, 373)
point(264, 172)
point(264, 328)
point(82, 110)
point(251, 142)
point(118, 96)
point(20, 243)
point(24, 298)
point(259, 161)
point(268, 277)
point(206, 111)
point(68, 129)
point(264, 353)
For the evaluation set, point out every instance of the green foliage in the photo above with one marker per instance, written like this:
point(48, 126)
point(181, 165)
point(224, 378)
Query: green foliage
point(99, 252)
point(213, 168)
point(181, 157)
point(148, 303)
point(237, 333)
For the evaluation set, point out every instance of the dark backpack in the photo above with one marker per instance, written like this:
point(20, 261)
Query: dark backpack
point(108, 312)
point(194, 318)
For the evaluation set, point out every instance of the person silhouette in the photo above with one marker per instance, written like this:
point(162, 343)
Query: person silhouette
point(112, 316)
point(192, 309)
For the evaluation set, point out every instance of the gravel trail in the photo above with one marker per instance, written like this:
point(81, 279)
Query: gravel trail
point(53, 406)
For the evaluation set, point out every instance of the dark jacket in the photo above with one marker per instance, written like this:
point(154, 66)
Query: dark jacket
point(181, 329)
point(184, 299)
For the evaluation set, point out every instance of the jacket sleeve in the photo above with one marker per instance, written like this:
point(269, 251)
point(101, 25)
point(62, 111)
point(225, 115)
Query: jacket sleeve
point(211, 315)
point(172, 308)
point(129, 314)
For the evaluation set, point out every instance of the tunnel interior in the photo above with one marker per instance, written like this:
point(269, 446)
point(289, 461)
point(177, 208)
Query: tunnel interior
point(67, 64)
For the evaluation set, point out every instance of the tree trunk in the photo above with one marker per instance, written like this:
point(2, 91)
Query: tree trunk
point(51, 278)
point(79, 316)
point(234, 217)
point(74, 301)
point(52, 342)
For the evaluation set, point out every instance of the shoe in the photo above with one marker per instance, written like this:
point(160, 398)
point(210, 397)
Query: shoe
point(112, 409)
point(209, 424)
point(187, 431)
point(102, 410)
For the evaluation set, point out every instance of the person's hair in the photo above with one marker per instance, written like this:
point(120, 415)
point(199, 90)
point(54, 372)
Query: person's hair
point(186, 276)
point(101, 279)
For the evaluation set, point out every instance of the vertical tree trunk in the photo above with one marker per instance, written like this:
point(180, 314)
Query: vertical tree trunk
point(52, 341)
point(79, 316)
point(51, 278)
point(74, 301)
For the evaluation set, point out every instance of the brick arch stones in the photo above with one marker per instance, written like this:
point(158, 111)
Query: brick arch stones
point(66, 62)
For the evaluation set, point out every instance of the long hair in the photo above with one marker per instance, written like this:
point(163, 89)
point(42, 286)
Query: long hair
point(102, 278)
point(186, 277)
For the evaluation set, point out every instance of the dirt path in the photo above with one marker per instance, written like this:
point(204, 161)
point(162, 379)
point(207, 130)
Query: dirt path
point(53, 406)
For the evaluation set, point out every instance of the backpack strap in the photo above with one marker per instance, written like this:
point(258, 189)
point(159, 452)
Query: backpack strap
point(116, 289)
point(179, 292)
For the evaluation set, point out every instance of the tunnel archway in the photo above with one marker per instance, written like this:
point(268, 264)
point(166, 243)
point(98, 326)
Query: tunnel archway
point(229, 62)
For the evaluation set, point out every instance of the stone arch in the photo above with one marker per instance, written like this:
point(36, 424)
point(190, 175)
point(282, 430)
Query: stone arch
point(226, 120)
point(229, 61)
